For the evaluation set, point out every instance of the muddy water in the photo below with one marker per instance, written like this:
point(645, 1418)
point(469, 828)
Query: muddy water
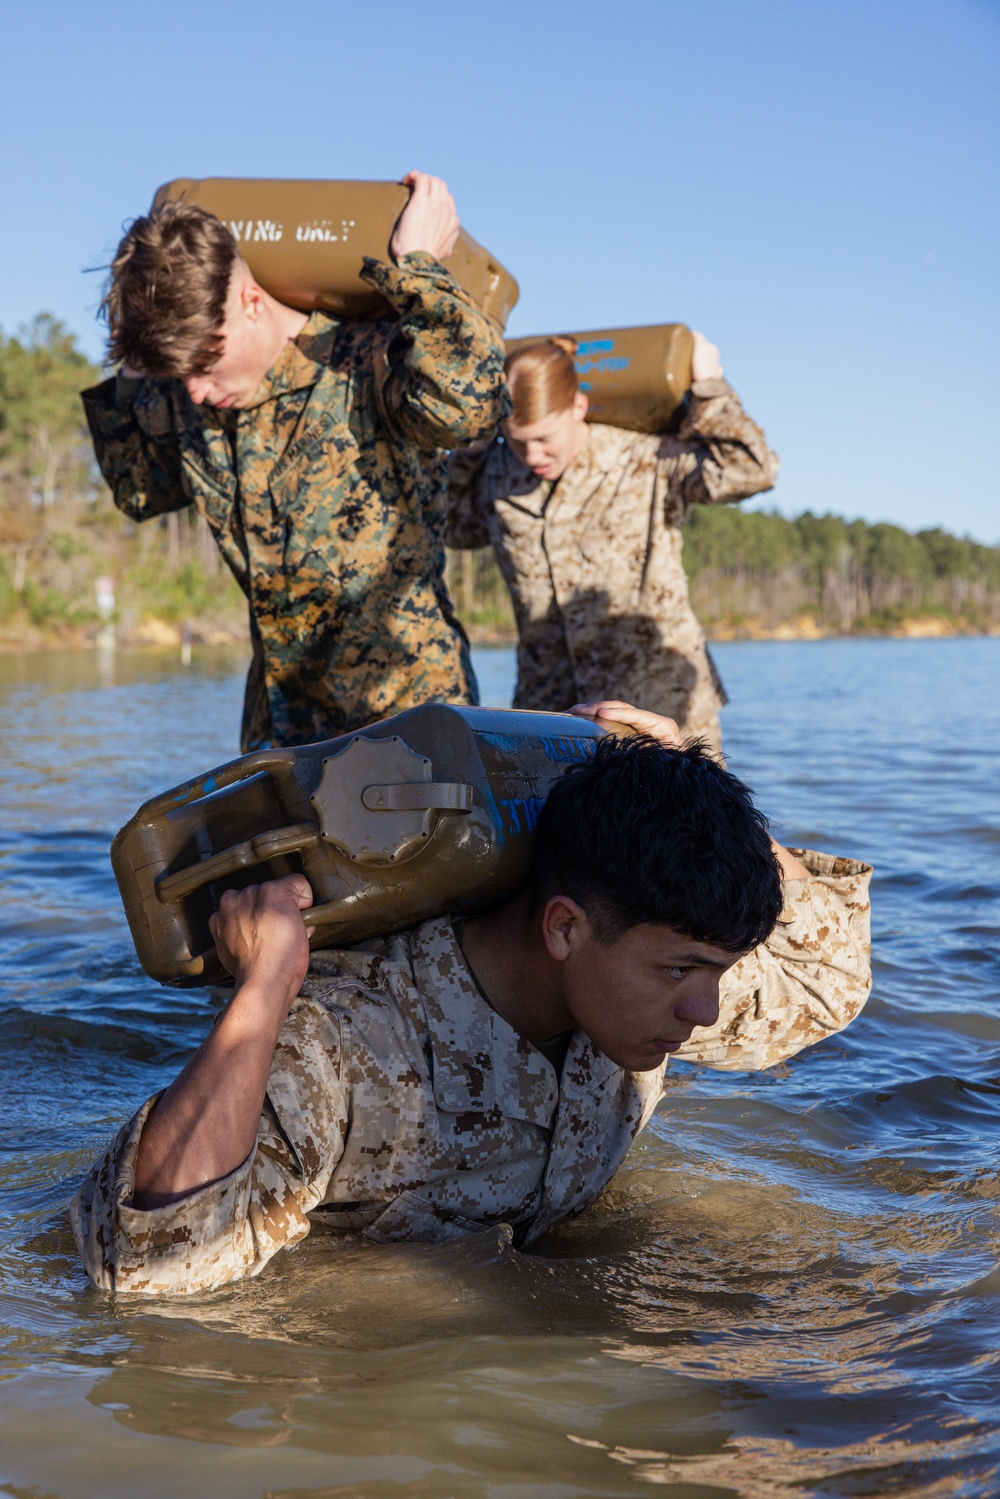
point(792, 1287)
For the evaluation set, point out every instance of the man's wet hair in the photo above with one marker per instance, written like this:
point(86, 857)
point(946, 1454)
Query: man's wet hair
point(642, 833)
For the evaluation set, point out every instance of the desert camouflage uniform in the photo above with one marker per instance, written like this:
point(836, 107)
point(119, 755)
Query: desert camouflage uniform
point(593, 560)
point(324, 499)
point(401, 1105)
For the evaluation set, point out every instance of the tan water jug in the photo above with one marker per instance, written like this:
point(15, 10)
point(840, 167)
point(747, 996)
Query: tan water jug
point(428, 812)
point(634, 377)
point(304, 241)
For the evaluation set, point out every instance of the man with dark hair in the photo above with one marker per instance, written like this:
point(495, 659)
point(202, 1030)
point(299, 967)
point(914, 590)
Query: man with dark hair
point(466, 1075)
point(313, 447)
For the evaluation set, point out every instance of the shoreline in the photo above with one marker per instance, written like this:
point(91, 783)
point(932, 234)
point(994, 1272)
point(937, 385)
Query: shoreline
point(158, 634)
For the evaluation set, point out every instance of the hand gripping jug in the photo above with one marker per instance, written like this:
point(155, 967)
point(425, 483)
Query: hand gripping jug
point(304, 241)
point(428, 812)
point(634, 377)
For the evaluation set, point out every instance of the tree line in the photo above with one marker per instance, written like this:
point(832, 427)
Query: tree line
point(748, 570)
point(846, 575)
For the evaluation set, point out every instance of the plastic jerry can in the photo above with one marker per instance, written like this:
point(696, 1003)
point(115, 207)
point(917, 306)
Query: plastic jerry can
point(429, 812)
point(634, 377)
point(304, 241)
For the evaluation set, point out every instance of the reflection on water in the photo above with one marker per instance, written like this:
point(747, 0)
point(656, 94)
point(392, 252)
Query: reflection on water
point(791, 1288)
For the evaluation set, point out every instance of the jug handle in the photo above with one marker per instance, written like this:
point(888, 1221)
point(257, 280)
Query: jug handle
point(302, 835)
point(195, 967)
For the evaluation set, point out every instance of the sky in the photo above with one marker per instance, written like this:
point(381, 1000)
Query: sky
point(812, 185)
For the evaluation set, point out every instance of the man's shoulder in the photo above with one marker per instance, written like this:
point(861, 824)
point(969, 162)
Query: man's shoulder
point(369, 994)
point(400, 994)
point(327, 340)
point(387, 968)
point(366, 967)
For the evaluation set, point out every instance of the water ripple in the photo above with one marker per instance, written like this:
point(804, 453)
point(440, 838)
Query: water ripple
point(791, 1287)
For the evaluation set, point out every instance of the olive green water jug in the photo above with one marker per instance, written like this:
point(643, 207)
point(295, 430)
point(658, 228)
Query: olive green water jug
point(427, 812)
point(634, 377)
point(304, 241)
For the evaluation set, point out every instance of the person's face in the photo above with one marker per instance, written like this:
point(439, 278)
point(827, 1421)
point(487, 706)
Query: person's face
point(548, 447)
point(638, 998)
point(245, 358)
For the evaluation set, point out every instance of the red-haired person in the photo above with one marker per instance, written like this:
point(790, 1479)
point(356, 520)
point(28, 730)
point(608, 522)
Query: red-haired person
point(585, 521)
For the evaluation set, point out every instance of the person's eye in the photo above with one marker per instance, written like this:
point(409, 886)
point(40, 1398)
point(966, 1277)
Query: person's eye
point(677, 972)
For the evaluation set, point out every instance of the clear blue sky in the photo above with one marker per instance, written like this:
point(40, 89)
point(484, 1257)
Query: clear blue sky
point(814, 185)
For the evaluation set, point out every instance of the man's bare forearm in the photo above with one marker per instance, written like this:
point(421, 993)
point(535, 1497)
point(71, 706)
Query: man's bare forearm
point(205, 1124)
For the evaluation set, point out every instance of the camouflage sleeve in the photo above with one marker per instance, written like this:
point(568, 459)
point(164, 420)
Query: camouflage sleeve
point(467, 499)
point(723, 455)
point(133, 424)
point(808, 980)
point(231, 1228)
point(442, 382)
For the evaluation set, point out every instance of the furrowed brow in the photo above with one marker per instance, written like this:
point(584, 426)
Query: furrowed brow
point(698, 960)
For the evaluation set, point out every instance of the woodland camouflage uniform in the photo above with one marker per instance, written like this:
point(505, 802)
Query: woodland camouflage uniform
point(593, 559)
point(324, 499)
point(402, 1106)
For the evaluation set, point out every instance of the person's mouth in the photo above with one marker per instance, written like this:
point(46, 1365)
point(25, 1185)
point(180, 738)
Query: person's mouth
point(662, 1044)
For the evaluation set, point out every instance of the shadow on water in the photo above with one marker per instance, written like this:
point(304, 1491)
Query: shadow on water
point(790, 1289)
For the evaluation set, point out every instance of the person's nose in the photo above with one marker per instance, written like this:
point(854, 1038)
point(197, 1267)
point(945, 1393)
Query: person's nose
point(197, 388)
point(700, 1006)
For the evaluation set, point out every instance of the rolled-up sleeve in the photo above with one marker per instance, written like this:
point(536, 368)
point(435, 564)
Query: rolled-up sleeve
point(232, 1227)
point(442, 382)
point(807, 981)
point(723, 453)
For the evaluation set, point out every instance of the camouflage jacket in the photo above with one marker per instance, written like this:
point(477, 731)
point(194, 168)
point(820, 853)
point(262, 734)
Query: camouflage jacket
point(324, 497)
point(593, 561)
point(401, 1105)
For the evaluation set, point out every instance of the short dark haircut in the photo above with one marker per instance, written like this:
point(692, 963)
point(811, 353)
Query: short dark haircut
point(642, 833)
point(166, 299)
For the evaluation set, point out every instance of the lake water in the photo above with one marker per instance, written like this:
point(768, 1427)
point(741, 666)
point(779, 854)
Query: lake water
point(792, 1287)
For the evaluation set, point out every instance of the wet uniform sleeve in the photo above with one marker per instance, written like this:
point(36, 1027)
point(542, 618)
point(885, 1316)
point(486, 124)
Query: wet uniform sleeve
point(719, 454)
point(441, 381)
point(468, 498)
point(133, 425)
point(231, 1228)
point(808, 980)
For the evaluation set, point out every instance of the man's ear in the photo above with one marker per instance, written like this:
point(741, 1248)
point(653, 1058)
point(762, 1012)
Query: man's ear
point(564, 926)
point(581, 405)
point(252, 300)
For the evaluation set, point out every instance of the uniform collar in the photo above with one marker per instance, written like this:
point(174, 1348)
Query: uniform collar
point(480, 1061)
point(600, 453)
point(301, 361)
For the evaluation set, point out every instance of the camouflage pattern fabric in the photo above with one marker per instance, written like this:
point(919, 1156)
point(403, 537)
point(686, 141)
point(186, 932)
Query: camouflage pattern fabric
point(402, 1106)
point(593, 560)
point(818, 958)
point(324, 499)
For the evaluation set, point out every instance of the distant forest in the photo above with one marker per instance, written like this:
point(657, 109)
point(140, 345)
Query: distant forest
point(847, 575)
point(751, 573)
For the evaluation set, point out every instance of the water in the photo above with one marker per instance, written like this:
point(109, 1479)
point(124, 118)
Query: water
point(792, 1287)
